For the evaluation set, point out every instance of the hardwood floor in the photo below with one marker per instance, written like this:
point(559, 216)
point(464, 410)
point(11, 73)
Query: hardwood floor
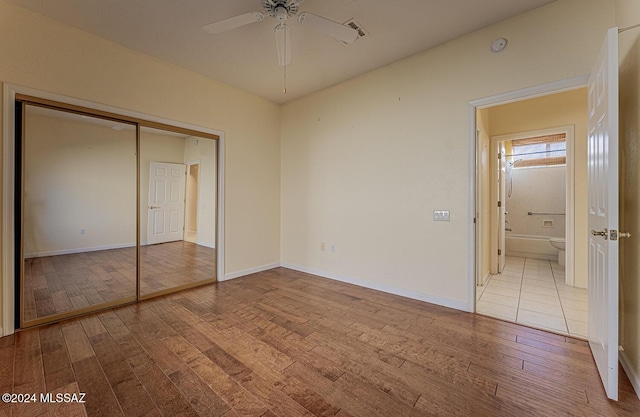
point(58, 284)
point(284, 343)
point(173, 264)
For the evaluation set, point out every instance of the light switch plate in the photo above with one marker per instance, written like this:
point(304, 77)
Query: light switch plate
point(441, 216)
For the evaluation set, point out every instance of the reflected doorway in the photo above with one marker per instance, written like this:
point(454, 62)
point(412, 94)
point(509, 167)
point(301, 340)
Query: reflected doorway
point(191, 203)
point(170, 258)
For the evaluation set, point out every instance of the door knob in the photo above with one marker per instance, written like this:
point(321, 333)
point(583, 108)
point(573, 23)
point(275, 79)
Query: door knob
point(154, 207)
point(602, 233)
point(615, 235)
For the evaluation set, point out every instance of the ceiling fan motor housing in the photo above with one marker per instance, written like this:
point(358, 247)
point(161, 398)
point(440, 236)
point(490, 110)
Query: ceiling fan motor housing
point(281, 9)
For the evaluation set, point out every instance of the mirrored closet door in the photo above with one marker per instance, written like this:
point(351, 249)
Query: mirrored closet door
point(109, 210)
point(178, 193)
point(78, 214)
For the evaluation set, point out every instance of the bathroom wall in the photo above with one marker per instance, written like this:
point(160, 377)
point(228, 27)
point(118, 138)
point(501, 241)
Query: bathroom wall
point(537, 190)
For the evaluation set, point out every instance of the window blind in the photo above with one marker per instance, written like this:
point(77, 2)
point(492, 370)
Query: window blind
point(540, 151)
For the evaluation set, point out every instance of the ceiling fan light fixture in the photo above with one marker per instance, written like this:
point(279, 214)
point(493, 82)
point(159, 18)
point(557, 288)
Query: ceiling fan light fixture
point(281, 11)
point(280, 14)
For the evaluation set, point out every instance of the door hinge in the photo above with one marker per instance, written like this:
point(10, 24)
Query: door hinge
point(500, 155)
point(499, 252)
point(474, 220)
point(499, 203)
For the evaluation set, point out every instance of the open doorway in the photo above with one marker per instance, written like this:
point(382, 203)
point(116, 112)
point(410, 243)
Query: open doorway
point(530, 194)
point(191, 203)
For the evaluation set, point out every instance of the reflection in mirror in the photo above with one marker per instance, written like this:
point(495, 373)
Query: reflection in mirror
point(79, 214)
point(178, 179)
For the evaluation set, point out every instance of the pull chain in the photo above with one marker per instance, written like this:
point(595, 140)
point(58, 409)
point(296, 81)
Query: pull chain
point(284, 70)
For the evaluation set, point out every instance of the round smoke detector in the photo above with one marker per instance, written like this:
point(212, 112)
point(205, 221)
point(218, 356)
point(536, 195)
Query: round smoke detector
point(498, 45)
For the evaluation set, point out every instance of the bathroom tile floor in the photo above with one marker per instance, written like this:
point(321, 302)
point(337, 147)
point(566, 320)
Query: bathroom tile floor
point(532, 292)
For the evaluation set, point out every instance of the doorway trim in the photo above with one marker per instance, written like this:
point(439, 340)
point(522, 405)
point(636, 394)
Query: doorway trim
point(7, 326)
point(472, 106)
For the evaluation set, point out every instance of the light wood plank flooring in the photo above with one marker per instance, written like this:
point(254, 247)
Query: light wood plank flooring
point(284, 343)
point(173, 264)
point(58, 284)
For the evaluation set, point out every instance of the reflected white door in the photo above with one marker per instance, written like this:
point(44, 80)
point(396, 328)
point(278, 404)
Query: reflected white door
point(166, 202)
point(603, 213)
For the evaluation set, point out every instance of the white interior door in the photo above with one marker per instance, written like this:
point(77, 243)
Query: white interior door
point(502, 202)
point(166, 202)
point(603, 213)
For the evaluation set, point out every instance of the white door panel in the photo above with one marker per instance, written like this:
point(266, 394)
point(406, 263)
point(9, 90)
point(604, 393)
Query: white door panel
point(166, 202)
point(603, 213)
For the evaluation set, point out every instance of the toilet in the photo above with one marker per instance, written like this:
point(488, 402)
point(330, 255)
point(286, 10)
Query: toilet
point(558, 243)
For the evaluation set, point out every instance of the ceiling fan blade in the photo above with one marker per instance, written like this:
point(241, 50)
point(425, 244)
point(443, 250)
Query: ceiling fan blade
point(283, 45)
point(233, 23)
point(339, 31)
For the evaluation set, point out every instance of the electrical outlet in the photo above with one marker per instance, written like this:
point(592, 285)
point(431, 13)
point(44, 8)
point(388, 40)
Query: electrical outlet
point(441, 216)
point(333, 248)
point(322, 246)
point(82, 231)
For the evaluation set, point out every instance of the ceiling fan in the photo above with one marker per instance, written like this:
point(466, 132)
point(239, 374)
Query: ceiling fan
point(281, 10)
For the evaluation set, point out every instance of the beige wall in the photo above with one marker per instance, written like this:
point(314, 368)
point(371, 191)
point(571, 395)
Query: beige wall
point(562, 109)
point(365, 163)
point(628, 14)
point(43, 54)
point(71, 183)
point(74, 199)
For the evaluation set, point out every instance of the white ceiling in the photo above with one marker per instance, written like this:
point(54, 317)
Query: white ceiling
point(246, 57)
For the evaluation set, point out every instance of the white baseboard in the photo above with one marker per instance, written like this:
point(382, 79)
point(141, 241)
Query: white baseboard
point(78, 250)
point(632, 373)
point(238, 274)
point(433, 299)
point(486, 278)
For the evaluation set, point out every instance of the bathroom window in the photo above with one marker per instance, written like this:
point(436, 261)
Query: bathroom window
point(540, 151)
